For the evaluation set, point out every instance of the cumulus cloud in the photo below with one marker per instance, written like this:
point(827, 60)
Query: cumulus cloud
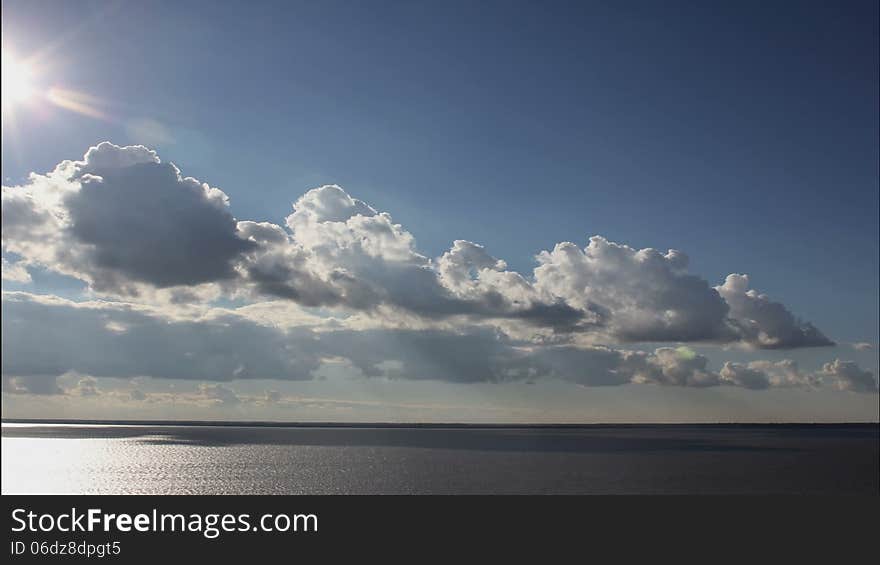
point(785, 373)
point(764, 323)
point(849, 376)
point(743, 375)
point(130, 225)
point(338, 251)
point(645, 295)
point(120, 217)
point(680, 366)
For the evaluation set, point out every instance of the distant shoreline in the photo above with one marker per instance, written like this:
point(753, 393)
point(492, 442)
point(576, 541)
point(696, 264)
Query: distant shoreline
point(432, 425)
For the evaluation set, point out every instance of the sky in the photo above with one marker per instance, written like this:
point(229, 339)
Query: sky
point(441, 211)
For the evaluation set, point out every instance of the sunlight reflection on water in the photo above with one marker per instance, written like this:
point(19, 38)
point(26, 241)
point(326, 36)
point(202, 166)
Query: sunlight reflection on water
point(226, 460)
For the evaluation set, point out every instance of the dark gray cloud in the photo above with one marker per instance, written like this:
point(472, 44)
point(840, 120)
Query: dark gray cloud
point(53, 337)
point(849, 376)
point(120, 216)
point(477, 355)
point(146, 223)
point(32, 384)
point(594, 366)
point(742, 375)
point(47, 337)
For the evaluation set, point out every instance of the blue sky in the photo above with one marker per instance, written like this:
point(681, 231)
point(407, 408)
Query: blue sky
point(742, 133)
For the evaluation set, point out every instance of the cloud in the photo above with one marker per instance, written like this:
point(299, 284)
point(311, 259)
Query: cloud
point(272, 396)
point(338, 251)
point(586, 366)
point(47, 337)
point(130, 225)
point(764, 323)
point(15, 272)
point(87, 386)
point(474, 356)
point(743, 375)
point(32, 384)
point(849, 376)
point(51, 336)
point(863, 346)
point(121, 217)
point(785, 373)
point(218, 394)
point(646, 295)
point(680, 366)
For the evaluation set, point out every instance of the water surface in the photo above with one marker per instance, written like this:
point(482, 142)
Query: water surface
point(153, 459)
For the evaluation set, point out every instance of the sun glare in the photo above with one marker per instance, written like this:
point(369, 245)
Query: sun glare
point(16, 87)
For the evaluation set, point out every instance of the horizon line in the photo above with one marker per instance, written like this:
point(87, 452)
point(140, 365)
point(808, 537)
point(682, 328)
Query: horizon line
point(434, 425)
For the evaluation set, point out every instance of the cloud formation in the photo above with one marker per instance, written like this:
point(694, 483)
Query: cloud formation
point(120, 217)
point(849, 376)
point(130, 225)
point(338, 251)
point(15, 272)
point(45, 338)
point(764, 323)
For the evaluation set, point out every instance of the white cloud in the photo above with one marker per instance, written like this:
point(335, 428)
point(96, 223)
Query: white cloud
point(15, 272)
point(680, 366)
point(130, 225)
point(764, 323)
point(340, 252)
point(645, 295)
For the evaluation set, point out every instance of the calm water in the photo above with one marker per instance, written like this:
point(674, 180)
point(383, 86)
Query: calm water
point(276, 460)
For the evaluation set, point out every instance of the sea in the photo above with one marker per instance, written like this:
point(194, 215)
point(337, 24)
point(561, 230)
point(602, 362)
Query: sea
point(124, 458)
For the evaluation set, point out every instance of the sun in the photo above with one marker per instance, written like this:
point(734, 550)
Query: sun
point(16, 82)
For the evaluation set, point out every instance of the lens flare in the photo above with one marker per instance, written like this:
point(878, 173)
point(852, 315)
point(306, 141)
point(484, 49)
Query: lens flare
point(16, 82)
point(78, 102)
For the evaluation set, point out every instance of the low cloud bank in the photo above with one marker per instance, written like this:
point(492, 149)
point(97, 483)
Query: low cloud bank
point(47, 337)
